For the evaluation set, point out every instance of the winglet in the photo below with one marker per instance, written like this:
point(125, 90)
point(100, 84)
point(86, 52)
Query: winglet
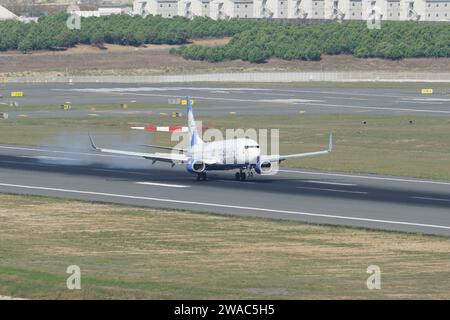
point(92, 142)
point(330, 143)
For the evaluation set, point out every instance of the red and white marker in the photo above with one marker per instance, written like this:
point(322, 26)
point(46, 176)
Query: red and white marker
point(162, 129)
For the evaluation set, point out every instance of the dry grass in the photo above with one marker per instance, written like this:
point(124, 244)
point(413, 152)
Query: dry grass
point(152, 253)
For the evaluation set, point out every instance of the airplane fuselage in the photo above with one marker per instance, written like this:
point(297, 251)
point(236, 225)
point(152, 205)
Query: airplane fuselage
point(226, 154)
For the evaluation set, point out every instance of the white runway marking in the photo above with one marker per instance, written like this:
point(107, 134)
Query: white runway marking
point(345, 93)
point(431, 199)
point(428, 99)
point(343, 98)
point(332, 183)
point(373, 108)
point(366, 177)
point(219, 91)
point(293, 100)
point(333, 190)
point(163, 185)
point(319, 215)
point(48, 158)
point(419, 102)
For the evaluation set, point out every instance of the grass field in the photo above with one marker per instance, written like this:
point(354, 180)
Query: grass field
point(416, 146)
point(126, 252)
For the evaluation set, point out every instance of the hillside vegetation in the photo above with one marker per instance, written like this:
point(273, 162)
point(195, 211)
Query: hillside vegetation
point(395, 40)
point(52, 32)
point(253, 41)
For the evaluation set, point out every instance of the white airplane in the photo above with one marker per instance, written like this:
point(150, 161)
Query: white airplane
point(241, 154)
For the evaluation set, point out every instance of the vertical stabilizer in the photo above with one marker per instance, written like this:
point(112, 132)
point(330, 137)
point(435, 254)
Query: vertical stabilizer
point(193, 132)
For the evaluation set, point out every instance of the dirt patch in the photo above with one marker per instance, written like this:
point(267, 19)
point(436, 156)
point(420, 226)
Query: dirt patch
point(156, 59)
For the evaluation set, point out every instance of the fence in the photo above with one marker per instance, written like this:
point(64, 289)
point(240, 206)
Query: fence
point(282, 77)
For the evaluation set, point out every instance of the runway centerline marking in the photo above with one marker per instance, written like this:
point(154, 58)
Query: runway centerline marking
point(333, 190)
point(365, 177)
point(163, 185)
point(332, 183)
point(431, 199)
point(207, 204)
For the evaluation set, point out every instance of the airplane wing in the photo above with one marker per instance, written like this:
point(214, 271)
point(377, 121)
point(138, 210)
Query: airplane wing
point(163, 157)
point(274, 158)
point(164, 148)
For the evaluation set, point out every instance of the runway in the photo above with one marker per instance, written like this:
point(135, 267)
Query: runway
point(378, 202)
point(220, 100)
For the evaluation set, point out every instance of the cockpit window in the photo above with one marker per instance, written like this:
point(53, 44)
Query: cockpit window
point(248, 147)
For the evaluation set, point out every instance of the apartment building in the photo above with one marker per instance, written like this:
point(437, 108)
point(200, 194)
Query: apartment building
point(395, 10)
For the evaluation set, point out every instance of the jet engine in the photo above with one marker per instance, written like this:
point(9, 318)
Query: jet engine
point(264, 167)
point(196, 166)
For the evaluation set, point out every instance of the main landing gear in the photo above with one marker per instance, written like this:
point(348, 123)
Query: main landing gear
point(242, 175)
point(201, 176)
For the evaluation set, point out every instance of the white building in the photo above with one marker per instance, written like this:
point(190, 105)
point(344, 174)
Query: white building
point(433, 10)
point(351, 9)
point(272, 8)
point(297, 9)
point(418, 10)
point(139, 7)
point(190, 8)
point(163, 8)
point(373, 9)
point(101, 12)
point(408, 11)
point(206, 8)
point(221, 9)
point(5, 14)
point(315, 9)
point(333, 9)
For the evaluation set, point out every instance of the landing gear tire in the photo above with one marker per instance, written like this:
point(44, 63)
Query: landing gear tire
point(201, 176)
point(241, 176)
